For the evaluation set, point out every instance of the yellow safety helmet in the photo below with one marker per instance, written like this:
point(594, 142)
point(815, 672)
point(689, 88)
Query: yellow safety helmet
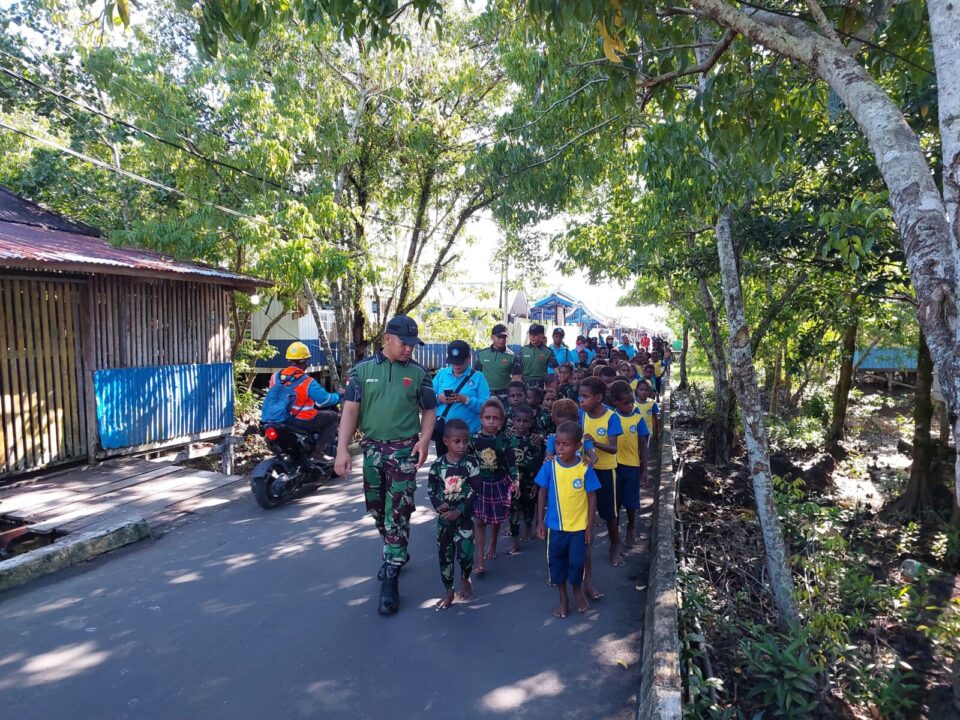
point(298, 351)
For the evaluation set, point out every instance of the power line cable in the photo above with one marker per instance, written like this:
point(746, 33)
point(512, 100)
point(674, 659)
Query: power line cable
point(153, 136)
point(139, 178)
point(114, 80)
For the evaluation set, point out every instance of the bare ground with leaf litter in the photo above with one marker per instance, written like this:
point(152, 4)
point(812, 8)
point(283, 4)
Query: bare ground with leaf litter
point(878, 592)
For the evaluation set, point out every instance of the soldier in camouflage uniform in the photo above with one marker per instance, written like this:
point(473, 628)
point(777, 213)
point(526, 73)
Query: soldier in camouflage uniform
point(498, 363)
point(390, 399)
point(451, 489)
point(528, 450)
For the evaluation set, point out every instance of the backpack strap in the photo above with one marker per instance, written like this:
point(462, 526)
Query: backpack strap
point(459, 387)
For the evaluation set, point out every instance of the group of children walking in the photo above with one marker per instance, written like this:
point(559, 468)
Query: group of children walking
point(547, 460)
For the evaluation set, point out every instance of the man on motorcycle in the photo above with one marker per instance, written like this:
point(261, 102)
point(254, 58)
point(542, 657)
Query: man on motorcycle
point(305, 412)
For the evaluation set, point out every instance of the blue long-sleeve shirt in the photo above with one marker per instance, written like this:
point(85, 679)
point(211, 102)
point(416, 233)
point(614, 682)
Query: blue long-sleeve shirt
point(476, 389)
point(317, 392)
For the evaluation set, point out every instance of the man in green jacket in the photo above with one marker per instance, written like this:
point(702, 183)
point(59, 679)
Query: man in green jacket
point(536, 358)
point(390, 398)
point(498, 363)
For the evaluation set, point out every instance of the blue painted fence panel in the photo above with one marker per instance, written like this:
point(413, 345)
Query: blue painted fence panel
point(138, 406)
point(887, 359)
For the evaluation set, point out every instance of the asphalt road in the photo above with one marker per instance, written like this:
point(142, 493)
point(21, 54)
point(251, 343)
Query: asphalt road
point(244, 613)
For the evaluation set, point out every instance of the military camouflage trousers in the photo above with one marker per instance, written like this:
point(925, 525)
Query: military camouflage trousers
point(453, 536)
point(389, 481)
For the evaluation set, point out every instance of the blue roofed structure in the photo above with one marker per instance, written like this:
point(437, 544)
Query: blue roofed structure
point(886, 360)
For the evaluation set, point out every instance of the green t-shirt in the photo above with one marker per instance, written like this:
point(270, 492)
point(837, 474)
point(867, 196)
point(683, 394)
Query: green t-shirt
point(534, 361)
point(497, 366)
point(391, 396)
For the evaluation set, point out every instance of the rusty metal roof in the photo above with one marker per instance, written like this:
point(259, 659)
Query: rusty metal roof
point(16, 209)
point(32, 238)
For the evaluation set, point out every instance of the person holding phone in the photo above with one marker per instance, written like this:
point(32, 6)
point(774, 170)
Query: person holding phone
point(390, 399)
point(461, 392)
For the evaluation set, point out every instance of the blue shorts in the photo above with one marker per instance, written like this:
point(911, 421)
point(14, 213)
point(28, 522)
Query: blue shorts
point(566, 552)
point(628, 487)
point(607, 494)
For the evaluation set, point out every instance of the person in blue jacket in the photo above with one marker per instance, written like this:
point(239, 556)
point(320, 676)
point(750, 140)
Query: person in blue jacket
point(461, 390)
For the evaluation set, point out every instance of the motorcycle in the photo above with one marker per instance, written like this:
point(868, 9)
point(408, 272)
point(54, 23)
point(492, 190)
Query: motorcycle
point(292, 468)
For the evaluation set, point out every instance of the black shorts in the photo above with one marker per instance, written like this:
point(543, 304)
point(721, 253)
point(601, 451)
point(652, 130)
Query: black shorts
point(628, 487)
point(607, 494)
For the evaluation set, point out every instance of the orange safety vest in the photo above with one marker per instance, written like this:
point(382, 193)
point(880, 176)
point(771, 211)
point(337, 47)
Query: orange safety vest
point(303, 407)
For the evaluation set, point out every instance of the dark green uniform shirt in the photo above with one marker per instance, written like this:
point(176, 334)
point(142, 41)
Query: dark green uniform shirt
point(391, 396)
point(534, 361)
point(497, 367)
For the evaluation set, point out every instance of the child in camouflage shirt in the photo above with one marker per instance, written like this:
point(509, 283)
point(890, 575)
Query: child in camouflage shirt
point(499, 482)
point(566, 388)
point(542, 423)
point(528, 453)
point(451, 489)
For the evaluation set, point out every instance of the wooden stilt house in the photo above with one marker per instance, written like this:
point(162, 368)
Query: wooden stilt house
point(105, 351)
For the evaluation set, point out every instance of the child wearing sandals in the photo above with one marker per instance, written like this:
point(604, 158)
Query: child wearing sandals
point(565, 508)
point(499, 481)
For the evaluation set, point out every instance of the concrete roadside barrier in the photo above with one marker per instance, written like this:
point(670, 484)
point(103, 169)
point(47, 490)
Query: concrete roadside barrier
point(660, 695)
point(71, 550)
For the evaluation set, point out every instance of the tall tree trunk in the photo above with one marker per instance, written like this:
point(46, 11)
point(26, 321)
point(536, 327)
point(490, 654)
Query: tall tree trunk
point(683, 358)
point(917, 496)
point(775, 389)
point(841, 393)
point(927, 221)
point(754, 427)
point(322, 334)
point(718, 433)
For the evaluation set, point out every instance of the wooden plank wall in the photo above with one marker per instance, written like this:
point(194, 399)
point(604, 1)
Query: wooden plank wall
point(144, 322)
point(42, 408)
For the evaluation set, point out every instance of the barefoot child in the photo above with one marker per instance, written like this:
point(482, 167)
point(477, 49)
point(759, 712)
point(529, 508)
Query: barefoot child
point(499, 481)
point(450, 487)
point(602, 426)
point(528, 454)
point(630, 455)
point(565, 508)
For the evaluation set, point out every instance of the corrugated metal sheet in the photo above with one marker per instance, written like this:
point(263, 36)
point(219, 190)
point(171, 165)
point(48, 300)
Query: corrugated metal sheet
point(16, 209)
point(887, 359)
point(27, 246)
point(139, 406)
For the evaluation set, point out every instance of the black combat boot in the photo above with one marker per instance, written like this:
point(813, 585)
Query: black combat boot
point(389, 576)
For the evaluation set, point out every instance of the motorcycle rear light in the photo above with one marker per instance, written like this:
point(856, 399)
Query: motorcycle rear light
point(271, 434)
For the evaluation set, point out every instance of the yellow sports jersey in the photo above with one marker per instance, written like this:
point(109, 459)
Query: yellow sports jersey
point(567, 489)
point(628, 448)
point(648, 410)
point(633, 385)
point(602, 429)
point(657, 368)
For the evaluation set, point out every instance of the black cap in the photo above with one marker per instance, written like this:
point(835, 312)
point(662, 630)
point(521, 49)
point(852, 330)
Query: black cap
point(458, 351)
point(500, 330)
point(559, 331)
point(404, 328)
point(536, 329)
